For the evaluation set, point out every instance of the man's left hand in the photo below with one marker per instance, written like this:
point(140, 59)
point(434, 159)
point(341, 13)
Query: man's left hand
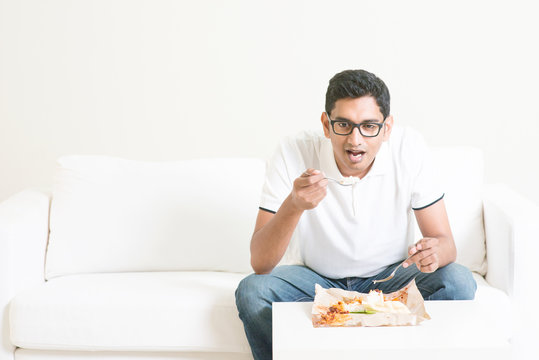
point(424, 254)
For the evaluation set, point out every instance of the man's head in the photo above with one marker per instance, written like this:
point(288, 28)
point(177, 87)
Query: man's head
point(356, 97)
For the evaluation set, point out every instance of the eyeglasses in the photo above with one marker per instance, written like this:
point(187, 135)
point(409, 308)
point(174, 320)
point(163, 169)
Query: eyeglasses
point(366, 129)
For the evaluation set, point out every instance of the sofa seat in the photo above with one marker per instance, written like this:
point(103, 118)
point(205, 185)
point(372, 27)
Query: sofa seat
point(140, 311)
point(144, 311)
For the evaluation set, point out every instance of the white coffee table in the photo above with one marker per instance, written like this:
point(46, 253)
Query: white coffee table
point(458, 330)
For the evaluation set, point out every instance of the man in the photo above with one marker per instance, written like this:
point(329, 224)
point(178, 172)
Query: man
point(349, 235)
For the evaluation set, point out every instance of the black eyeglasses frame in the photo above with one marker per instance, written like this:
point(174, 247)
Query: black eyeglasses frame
point(358, 126)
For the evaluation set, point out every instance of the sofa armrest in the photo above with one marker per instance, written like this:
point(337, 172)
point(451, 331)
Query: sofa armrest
point(24, 231)
point(512, 233)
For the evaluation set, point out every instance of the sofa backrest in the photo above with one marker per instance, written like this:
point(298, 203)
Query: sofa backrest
point(114, 215)
point(461, 175)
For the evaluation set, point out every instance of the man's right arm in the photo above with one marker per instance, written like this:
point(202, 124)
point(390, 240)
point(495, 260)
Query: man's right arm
point(273, 231)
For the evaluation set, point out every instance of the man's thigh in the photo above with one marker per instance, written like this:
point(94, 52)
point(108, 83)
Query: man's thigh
point(285, 283)
point(451, 282)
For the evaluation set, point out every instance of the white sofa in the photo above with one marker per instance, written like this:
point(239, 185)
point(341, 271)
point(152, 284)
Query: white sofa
point(124, 259)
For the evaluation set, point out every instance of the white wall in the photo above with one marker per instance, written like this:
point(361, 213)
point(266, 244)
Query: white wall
point(138, 79)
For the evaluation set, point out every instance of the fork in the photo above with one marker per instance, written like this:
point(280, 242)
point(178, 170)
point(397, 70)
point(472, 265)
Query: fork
point(392, 274)
point(338, 181)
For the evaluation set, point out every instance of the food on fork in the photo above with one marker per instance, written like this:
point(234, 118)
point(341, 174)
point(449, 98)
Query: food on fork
point(349, 180)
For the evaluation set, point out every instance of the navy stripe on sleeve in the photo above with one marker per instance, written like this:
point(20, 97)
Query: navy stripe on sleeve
point(268, 210)
point(432, 203)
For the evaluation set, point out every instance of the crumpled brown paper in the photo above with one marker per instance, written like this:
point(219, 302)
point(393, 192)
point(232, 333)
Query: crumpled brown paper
point(408, 295)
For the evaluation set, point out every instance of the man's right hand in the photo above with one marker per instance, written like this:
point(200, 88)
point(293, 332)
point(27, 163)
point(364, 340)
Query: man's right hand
point(273, 231)
point(309, 189)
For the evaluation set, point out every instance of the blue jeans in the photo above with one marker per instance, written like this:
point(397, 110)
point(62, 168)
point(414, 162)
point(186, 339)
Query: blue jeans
point(256, 293)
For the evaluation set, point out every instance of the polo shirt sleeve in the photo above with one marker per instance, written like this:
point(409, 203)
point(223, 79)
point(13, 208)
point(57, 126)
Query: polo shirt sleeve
point(426, 189)
point(280, 175)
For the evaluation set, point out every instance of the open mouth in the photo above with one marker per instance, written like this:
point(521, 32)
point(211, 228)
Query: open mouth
point(355, 155)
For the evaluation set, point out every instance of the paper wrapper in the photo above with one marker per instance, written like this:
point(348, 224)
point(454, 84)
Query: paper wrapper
point(408, 295)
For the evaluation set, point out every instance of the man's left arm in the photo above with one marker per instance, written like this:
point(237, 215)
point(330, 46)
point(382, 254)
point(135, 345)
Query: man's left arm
point(437, 247)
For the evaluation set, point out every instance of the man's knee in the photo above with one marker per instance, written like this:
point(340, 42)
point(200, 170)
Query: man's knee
point(453, 282)
point(253, 294)
point(256, 293)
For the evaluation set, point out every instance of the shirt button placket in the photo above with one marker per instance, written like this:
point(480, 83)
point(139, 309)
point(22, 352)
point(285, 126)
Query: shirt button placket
point(355, 200)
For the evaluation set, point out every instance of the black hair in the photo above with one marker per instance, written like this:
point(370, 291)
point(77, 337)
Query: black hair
point(355, 84)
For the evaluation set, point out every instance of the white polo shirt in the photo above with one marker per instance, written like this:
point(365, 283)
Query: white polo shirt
point(356, 230)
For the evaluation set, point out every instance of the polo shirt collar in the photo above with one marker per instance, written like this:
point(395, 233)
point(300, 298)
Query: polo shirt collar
point(382, 162)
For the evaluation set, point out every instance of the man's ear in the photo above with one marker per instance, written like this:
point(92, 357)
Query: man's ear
point(325, 124)
point(388, 126)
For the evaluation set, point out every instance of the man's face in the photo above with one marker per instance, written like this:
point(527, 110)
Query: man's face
point(354, 154)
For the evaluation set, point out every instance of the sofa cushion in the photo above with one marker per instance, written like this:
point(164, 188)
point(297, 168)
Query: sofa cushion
point(146, 311)
point(111, 215)
point(29, 354)
point(460, 172)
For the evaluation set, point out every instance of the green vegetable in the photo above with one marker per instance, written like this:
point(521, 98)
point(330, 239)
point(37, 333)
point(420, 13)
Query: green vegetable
point(363, 312)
